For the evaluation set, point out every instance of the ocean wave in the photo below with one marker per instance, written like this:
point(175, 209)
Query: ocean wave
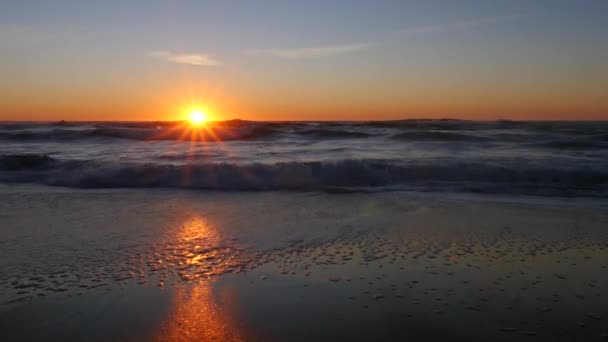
point(573, 144)
point(436, 136)
point(185, 133)
point(333, 134)
point(47, 135)
point(586, 128)
point(177, 133)
point(541, 134)
point(16, 162)
point(355, 175)
point(425, 124)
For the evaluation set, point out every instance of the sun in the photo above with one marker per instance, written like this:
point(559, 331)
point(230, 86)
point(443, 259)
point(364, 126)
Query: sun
point(197, 117)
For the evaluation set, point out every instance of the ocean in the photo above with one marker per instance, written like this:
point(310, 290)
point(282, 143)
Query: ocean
point(566, 159)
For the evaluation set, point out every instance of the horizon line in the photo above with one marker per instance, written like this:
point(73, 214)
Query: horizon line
point(354, 120)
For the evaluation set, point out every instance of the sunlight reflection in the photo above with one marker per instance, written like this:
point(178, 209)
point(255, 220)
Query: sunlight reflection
point(198, 315)
point(198, 311)
point(197, 228)
point(197, 251)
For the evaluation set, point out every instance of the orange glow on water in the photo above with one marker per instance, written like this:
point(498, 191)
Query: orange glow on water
point(199, 312)
point(197, 228)
point(199, 315)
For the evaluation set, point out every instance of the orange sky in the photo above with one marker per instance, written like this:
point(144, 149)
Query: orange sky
point(349, 103)
point(304, 61)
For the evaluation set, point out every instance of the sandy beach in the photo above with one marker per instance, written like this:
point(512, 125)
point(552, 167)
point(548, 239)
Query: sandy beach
point(174, 265)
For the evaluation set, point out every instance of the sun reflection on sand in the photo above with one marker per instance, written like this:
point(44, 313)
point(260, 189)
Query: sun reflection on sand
point(197, 315)
point(198, 251)
point(198, 228)
point(203, 241)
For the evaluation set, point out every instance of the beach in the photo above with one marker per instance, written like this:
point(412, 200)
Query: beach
point(278, 171)
point(174, 265)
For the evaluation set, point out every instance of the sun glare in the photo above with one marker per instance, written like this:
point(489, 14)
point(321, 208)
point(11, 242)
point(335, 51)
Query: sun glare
point(197, 117)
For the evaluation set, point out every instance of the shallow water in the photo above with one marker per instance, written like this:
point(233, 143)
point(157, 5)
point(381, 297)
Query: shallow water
point(181, 265)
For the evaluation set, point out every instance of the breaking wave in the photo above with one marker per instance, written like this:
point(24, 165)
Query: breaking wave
point(343, 175)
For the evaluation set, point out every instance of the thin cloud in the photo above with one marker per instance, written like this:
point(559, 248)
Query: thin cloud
point(333, 50)
point(197, 59)
point(311, 52)
point(460, 25)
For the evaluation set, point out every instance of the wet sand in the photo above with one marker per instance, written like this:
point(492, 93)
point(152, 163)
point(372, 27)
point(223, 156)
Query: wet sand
point(183, 265)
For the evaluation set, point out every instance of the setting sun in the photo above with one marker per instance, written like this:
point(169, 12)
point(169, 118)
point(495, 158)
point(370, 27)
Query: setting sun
point(197, 117)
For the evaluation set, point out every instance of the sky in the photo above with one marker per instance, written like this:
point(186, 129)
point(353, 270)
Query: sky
point(304, 60)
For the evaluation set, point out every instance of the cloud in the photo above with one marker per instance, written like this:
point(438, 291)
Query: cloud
point(197, 59)
point(460, 25)
point(311, 52)
point(333, 50)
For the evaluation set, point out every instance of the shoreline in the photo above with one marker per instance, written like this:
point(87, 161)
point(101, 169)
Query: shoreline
point(436, 196)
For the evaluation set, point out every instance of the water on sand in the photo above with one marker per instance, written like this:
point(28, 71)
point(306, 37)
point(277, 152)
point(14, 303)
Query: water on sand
point(177, 265)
